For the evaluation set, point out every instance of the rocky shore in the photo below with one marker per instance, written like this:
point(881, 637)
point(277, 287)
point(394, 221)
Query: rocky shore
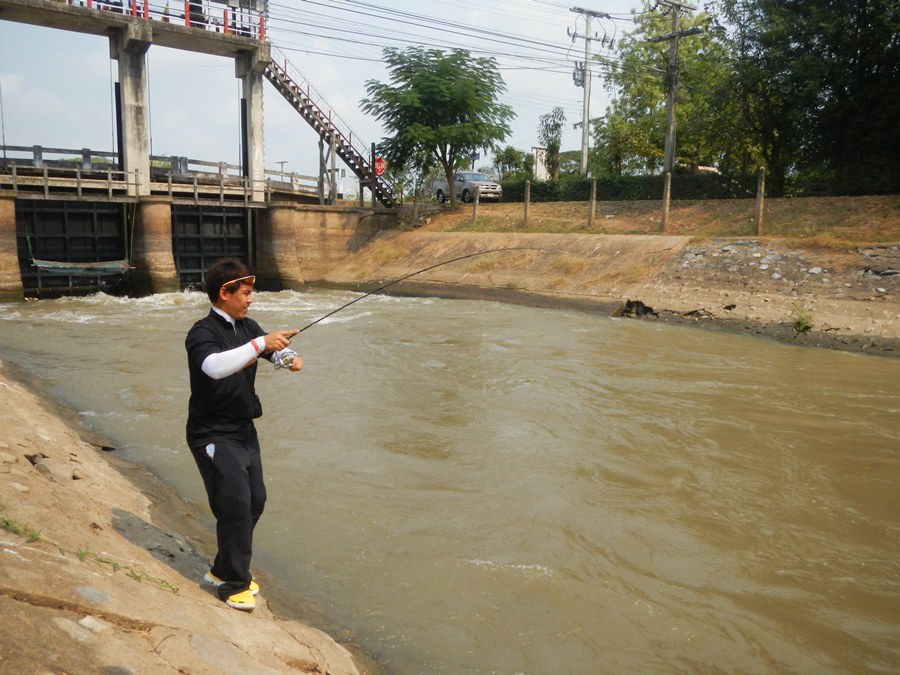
point(100, 567)
point(849, 302)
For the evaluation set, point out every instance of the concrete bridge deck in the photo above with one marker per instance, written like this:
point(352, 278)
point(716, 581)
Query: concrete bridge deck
point(159, 28)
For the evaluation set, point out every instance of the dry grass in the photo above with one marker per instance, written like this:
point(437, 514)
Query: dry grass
point(830, 223)
point(378, 254)
point(568, 265)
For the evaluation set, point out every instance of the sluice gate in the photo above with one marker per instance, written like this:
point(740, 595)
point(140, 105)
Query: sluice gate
point(202, 234)
point(78, 247)
point(69, 247)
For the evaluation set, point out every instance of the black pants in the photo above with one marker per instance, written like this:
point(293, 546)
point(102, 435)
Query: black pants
point(233, 479)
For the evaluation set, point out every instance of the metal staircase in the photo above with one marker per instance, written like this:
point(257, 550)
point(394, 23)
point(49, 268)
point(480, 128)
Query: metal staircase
point(325, 125)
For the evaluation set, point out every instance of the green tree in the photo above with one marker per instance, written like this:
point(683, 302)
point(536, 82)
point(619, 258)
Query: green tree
point(550, 135)
point(510, 162)
point(570, 163)
point(439, 107)
point(818, 83)
point(630, 138)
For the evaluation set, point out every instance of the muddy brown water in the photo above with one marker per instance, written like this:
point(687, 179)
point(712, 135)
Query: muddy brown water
point(474, 487)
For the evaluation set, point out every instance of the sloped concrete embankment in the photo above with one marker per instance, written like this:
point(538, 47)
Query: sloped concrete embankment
point(91, 580)
point(740, 285)
point(545, 269)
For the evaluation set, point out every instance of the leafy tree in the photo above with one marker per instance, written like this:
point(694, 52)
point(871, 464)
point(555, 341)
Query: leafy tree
point(615, 144)
point(818, 83)
point(510, 162)
point(764, 81)
point(439, 107)
point(806, 89)
point(550, 136)
point(630, 139)
point(570, 163)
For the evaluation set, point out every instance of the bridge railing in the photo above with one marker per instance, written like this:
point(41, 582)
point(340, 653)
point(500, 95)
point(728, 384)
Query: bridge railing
point(39, 169)
point(246, 18)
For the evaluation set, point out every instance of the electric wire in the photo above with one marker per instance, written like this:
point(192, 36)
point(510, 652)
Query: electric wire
point(292, 16)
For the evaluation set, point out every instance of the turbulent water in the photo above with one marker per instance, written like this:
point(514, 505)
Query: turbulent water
point(474, 487)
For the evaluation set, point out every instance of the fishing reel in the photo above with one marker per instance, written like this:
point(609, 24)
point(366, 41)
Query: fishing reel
point(285, 358)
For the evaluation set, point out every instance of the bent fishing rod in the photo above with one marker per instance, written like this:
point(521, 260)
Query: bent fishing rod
point(428, 269)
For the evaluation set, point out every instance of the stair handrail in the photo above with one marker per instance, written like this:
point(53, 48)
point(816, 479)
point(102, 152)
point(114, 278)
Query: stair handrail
point(344, 131)
point(338, 124)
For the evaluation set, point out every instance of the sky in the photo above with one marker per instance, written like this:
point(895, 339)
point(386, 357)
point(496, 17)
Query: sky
point(56, 86)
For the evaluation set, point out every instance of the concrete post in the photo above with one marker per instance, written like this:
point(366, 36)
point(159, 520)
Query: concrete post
point(760, 199)
point(154, 263)
point(128, 47)
point(10, 274)
point(592, 205)
point(248, 68)
point(527, 201)
point(667, 194)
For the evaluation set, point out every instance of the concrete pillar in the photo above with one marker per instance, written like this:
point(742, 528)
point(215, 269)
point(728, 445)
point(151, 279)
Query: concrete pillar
point(152, 255)
point(128, 47)
point(10, 275)
point(249, 67)
point(277, 259)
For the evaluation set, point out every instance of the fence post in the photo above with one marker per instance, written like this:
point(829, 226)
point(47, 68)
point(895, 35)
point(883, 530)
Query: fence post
point(667, 193)
point(760, 199)
point(593, 203)
point(527, 200)
point(475, 204)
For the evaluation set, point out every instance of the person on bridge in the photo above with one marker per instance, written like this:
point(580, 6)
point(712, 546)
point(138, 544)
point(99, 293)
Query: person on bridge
point(222, 350)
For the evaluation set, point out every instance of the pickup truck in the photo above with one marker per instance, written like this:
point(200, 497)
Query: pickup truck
point(464, 183)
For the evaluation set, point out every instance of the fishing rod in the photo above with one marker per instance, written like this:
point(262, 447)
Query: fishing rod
point(428, 269)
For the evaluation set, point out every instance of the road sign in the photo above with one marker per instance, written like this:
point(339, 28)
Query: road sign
point(380, 166)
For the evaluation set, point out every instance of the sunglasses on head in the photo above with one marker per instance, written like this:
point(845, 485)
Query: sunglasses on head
point(250, 279)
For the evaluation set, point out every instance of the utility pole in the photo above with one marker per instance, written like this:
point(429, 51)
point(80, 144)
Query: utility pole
point(673, 38)
point(584, 79)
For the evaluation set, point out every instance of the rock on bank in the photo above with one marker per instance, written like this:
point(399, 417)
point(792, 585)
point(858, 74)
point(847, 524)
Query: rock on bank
point(89, 582)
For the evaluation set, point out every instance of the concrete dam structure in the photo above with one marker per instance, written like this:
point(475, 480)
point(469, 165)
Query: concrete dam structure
point(125, 222)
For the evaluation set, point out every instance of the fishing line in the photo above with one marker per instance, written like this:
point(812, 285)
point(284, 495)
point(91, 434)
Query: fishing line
point(429, 268)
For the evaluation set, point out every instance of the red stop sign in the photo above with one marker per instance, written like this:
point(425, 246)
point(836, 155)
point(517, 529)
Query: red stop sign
point(380, 166)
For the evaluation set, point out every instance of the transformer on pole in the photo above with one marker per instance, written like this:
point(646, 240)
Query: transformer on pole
point(582, 78)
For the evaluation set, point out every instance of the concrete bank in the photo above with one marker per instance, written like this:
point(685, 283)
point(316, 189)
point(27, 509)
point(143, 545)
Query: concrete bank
point(849, 301)
point(98, 574)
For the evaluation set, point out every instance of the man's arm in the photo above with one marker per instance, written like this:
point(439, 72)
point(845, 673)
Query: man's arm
point(223, 364)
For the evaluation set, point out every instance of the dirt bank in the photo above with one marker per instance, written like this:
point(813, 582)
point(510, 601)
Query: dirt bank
point(99, 567)
point(847, 300)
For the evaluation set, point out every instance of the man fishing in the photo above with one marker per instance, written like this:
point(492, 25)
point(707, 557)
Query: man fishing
point(222, 350)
